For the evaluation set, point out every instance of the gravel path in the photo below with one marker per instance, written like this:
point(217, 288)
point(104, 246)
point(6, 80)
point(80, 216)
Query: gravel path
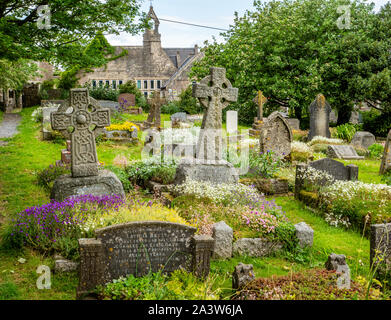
point(9, 125)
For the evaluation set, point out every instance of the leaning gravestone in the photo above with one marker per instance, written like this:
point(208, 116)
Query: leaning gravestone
point(276, 136)
point(334, 168)
point(215, 92)
point(85, 120)
point(137, 248)
point(380, 247)
point(343, 152)
point(386, 160)
point(363, 139)
point(319, 117)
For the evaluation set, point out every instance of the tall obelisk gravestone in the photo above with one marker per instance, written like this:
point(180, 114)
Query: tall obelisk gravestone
point(215, 92)
point(85, 120)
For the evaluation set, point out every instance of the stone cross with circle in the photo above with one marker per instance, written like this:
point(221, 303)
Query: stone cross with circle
point(215, 92)
point(82, 122)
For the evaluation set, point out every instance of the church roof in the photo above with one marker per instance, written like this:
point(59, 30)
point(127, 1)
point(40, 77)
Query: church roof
point(184, 54)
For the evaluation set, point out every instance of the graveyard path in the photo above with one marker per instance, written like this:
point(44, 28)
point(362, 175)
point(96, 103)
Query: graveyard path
point(8, 127)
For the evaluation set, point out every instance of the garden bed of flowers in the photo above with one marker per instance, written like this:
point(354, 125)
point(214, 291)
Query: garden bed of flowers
point(350, 204)
point(242, 207)
point(56, 227)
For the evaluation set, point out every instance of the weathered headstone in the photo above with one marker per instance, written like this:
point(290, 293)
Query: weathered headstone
point(363, 139)
point(138, 248)
point(333, 117)
point(215, 92)
point(380, 247)
point(343, 152)
point(223, 236)
point(337, 262)
point(276, 136)
point(85, 120)
point(155, 103)
point(242, 276)
point(232, 122)
point(386, 160)
point(319, 117)
point(334, 168)
point(179, 116)
point(66, 156)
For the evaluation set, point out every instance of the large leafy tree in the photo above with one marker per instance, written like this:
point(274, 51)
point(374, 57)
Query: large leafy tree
point(294, 49)
point(73, 23)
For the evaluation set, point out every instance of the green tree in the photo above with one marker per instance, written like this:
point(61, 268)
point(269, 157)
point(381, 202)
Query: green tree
point(293, 49)
point(188, 103)
point(73, 23)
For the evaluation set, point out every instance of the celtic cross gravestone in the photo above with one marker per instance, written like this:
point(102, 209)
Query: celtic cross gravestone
point(215, 93)
point(80, 119)
point(260, 100)
point(84, 121)
point(154, 113)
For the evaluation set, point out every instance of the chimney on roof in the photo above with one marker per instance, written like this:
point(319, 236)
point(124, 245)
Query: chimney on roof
point(196, 49)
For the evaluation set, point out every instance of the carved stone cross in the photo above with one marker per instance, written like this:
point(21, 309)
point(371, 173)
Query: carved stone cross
point(154, 114)
point(85, 120)
point(215, 93)
point(260, 100)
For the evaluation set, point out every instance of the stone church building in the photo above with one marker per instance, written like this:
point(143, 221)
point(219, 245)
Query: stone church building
point(150, 66)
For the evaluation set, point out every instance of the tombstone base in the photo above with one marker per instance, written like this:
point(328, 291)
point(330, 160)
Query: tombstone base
point(215, 171)
point(105, 183)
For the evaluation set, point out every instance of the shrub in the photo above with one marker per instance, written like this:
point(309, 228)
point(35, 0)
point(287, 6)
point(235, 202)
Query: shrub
point(141, 171)
point(122, 176)
point(46, 177)
point(189, 104)
point(377, 123)
point(386, 178)
point(180, 285)
point(126, 126)
point(265, 164)
point(346, 132)
point(37, 115)
point(171, 108)
point(376, 151)
point(103, 93)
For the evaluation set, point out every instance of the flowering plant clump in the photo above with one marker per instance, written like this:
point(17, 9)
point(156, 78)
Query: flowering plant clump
point(324, 140)
point(37, 114)
point(300, 151)
point(337, 220)
point(265, 164)
point(314, 179)
point(57, 226)
point(126, 126)
point(260, 221)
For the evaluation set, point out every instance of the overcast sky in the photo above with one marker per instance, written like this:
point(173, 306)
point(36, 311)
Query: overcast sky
point(213, 13)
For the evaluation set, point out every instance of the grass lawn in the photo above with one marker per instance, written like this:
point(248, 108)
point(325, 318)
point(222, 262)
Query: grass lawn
point(368, 171)
point(26, 153)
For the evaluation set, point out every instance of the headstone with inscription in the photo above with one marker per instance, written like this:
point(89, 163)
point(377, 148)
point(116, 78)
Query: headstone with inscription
point(319, 117)
point(343, 152)
point(215, 92)
point(276, 136)
point(386, 160)
point(137, 248)
point(85, 120)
